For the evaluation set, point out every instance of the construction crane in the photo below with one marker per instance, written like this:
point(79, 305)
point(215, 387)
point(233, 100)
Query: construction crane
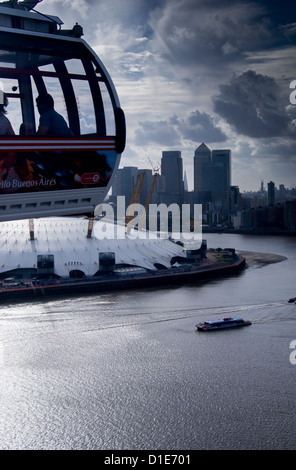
point(136, 198)
point(143, 218)
point(154, 168)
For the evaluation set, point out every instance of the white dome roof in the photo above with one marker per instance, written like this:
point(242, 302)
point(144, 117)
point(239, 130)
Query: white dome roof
point(66, 239)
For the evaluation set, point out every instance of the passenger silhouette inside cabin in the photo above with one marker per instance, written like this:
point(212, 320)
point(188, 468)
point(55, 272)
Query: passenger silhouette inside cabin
point(51, 123)
point(5, 125)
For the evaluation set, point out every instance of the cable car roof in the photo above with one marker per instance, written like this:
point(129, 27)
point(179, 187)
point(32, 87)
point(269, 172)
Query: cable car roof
point(21, 5)
point(30, 20)
point(27, 14)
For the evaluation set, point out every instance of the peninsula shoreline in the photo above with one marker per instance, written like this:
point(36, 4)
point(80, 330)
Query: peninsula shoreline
point(254, 258)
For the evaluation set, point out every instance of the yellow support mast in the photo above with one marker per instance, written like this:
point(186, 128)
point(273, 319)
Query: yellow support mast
point(31, 229)
point(135, 197)
point(90, 227)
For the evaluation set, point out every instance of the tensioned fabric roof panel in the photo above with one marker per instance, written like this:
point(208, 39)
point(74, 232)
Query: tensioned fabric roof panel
point(66, 239)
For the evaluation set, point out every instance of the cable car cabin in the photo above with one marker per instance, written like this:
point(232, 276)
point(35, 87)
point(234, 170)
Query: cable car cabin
point(53, 161)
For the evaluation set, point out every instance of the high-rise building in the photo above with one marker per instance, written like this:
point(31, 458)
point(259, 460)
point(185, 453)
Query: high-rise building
point(271, 193)
point(234, 199)
point(172, 170)
point(124, 182)
point(224, 157)
point(221, 193)
point(212, 176)
point(290, 215)
point(201, 155)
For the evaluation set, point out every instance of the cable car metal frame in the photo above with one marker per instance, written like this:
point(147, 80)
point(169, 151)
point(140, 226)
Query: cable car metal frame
point(55, 175)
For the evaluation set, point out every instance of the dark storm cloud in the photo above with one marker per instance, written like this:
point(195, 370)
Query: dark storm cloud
point(199, 126)
point(252, 104)
point(127, 13)
point(215, 33)
point(196, 127)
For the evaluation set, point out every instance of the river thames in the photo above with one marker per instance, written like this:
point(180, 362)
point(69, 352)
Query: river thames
point(128, 370)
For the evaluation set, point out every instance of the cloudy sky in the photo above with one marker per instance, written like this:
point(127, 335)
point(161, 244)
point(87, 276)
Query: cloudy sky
point(193, 71)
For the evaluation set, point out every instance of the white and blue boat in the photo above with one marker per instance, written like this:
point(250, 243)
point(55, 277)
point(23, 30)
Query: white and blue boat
point(226, 322)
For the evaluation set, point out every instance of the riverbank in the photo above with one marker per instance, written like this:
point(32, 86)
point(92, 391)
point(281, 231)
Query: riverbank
point(255, 231)
point(216, 264)
point(260, 259)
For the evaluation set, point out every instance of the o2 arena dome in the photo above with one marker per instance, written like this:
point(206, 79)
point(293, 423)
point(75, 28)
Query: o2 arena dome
point(65, 247)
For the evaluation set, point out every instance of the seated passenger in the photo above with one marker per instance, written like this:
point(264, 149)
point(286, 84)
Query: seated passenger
point(51, 123)
point(5, 126)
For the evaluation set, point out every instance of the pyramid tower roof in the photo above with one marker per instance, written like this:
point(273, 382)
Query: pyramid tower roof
point(202, 148)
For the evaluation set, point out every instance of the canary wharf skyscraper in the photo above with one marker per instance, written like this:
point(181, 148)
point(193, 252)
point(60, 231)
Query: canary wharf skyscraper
point(202, 155)
point(221, 159)
point(212, 176)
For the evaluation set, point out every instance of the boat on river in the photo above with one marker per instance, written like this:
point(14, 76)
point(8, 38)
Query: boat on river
point(226, 322)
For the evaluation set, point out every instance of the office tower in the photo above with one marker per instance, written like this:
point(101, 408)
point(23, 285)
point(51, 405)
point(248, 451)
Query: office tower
point(172, 170)
point(124, 182)
point(201, 155)
point(221, 193)
point(212, 176)
point(290, 215)
point(271, 193)
point(282, 189)
point(234, 199)
point(224, 157)
point(214, 182)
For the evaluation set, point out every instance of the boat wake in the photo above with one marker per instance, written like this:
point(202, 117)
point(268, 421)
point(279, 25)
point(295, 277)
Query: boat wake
point(153, 315)
point(108, 317)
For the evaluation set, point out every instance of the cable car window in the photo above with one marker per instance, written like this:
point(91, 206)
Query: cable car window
point(13, 109)
point(75, 66)
point(53, 87)
point(82, 95)
point(6, 59)
point(85, 106)
point(109, 113)
point(77, 86)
